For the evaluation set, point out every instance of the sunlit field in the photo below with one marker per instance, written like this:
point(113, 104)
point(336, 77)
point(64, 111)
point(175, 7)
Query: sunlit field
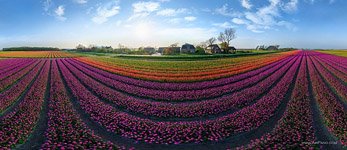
point(173, 75)
point(336, 52)
point(270, 100)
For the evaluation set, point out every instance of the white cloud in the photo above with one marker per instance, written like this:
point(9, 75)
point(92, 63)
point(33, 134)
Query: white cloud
point(175, 20)
point(143, 9)
point(190, 18)
point(104, 12)
point(225, 11)
point(239, 21)
point(267, 17)
point(223, 25)
point(148, 7)
point(171, 12)
point(331, 1)
point(288, 25)
point(291, 6)
point(47, 4)
point(246, 4)
point(59, 12)
point(81, 1)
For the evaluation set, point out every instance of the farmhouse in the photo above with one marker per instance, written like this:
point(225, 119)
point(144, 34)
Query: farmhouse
point(232, 49)
point(161, 49)
point(175, 50)
point(213, 49)
point(150, 50)
point(188, 48)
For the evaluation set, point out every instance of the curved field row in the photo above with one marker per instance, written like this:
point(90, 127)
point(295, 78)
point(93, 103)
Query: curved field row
point(296, 116)
point(182, 110)
point(199, 75)
point(296, 102)
point(174, 86)
point(167, 95)
point(178, 132)
point(176, 66)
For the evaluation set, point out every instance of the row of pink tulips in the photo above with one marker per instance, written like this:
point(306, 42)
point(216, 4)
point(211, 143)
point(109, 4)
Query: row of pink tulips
point(10, 64)
point(181, 110)
point(164, 95)
point(179, 86)
point(16, 126)
point(9, 96)
point(335, 83)
point(15, 69)
point(333, 112)
point(295, 128)
point(249, 118)
point(336, 70)
point(65, 129)
point(13, 78)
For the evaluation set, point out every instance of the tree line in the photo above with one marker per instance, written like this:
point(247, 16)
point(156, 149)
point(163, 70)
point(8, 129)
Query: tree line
point(31, 49)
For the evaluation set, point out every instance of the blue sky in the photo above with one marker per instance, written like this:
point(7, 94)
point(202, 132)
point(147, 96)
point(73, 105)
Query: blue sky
point(66, 23)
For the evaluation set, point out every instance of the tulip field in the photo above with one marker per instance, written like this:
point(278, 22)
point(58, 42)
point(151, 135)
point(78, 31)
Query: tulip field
point(285, 100)
point(35, 54)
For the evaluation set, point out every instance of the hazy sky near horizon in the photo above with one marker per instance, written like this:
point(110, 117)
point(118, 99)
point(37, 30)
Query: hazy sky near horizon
point(66, 23)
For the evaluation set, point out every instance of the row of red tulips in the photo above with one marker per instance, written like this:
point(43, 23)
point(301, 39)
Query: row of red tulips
point(183, 77)
point(177, 86)
point(163, 95)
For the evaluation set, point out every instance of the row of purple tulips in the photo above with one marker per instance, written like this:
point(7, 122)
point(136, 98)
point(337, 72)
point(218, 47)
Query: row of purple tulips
point(9, 96)
point(180, 86)
point(181, 110)
point(248, 118)
point(16, 126)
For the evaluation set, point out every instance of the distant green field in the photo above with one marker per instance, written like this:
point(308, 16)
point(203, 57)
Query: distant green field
point(182, 57)
point(335, 52)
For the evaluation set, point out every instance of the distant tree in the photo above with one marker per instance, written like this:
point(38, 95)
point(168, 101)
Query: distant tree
point(226, 37)
point(80, 47)
point(203, 45)
point(120, 46)
point(224, 46)
point(211, 41)
point(199, 50)
point(174, 45)
point(168, 51)
point(31, 49)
